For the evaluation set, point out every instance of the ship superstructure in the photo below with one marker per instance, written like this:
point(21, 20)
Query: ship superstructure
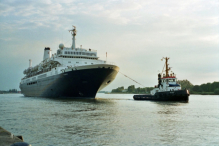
point(166, 82)
point(70, 72)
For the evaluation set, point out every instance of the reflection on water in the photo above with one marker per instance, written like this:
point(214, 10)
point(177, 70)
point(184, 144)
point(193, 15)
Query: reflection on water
point(111, 120)
point(169, 120)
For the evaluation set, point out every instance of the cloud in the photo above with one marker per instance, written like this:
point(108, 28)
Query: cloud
point(140, 12)
point(136, 34)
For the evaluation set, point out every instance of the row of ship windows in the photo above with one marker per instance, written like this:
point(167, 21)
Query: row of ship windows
point(169, 80)
point(32, 83)
point(79, 57)
point(78, 62)
point(80, 53)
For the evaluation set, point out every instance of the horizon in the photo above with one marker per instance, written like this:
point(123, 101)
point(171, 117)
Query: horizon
point(135, 35)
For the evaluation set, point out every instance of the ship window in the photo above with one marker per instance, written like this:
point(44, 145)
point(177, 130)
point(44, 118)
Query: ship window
point(77, 62)
point(76, 53)
point(65, 52)
point(69, 62)
point(85, 62)
point(71, 52)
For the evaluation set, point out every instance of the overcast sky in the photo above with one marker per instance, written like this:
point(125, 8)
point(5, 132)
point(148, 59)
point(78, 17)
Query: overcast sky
point(135, 34)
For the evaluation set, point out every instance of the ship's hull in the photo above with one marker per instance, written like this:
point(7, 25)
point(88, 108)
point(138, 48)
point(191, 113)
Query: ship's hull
point(180, 95)
point(72, 84)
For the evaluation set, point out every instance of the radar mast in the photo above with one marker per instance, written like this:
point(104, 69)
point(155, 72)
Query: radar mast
point(73, 32)
point(166, 64)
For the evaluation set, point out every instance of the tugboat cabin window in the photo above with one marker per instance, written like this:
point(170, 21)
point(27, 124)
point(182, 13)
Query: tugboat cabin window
point(171, 80)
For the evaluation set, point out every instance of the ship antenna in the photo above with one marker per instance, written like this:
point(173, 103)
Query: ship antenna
point(73, 32)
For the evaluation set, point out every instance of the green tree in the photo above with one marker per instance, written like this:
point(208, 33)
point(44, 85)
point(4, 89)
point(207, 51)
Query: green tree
point(131, 88)
point(138, 90)
point(185, 84)
point(196, 88)
point(216, 91)
point(118, 90)
point(214, 86)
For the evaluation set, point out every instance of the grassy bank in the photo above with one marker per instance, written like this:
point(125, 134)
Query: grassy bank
point(203, 93)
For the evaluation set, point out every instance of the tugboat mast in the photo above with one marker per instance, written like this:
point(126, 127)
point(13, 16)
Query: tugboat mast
point(166, 63)
point(73, 32)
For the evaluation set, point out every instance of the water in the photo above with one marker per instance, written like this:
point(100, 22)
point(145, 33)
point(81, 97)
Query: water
point(111, 119)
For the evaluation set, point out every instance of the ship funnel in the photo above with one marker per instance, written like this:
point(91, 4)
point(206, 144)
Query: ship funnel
point(47, 53)
point(30, 63)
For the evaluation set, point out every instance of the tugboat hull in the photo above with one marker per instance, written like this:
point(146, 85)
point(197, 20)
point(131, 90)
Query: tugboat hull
point(180, 95)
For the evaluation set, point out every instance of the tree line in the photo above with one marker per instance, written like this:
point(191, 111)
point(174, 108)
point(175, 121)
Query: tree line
point(132, 89)
point(9, 91)
point(207, 88)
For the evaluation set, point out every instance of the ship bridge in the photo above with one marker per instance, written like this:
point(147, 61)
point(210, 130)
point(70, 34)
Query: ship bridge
point(77, 53)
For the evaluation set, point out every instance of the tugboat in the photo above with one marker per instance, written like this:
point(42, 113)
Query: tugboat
point(167, 89)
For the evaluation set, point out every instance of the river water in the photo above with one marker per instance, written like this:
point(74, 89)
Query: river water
point(111, 119)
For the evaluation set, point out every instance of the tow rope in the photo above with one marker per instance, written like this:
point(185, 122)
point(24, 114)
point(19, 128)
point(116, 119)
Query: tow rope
point(131, 79)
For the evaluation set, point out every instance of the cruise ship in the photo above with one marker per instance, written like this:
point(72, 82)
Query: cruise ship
point(69, 73)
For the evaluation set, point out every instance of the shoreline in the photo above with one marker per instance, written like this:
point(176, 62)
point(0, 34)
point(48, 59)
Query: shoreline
point(149, 94)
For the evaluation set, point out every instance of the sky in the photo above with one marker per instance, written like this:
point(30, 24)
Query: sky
point(135, 34)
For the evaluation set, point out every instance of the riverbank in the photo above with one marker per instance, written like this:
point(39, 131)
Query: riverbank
point(194, 93)
point(204, 93)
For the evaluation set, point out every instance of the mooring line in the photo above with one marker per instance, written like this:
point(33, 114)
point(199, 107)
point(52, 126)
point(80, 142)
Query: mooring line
point(131, 79)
